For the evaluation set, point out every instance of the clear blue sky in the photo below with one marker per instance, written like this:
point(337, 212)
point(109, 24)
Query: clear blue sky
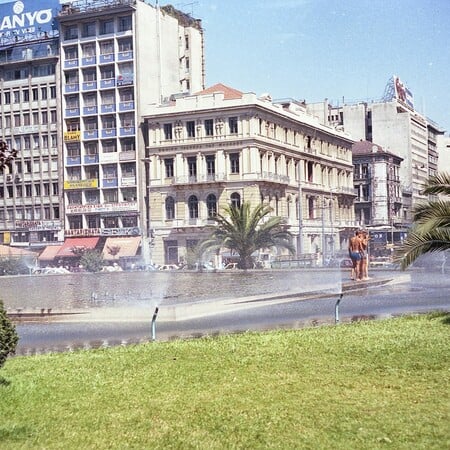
point(316, 49)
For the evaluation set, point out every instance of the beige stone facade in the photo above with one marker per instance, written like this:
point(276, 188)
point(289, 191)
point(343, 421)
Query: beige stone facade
point(221, 147)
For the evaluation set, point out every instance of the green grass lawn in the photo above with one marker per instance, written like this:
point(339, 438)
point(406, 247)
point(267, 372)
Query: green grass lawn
point(379, 384)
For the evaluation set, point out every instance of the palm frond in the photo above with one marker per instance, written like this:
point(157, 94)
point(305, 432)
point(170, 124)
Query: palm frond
point(438, 184)
point(418, 243)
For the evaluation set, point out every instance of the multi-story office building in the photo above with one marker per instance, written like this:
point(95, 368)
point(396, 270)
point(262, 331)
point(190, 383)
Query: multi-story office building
point(443, 146)
point(222, 146)
point(377, 184)
point(395, 125)
point(117, 56)
point(30, 194)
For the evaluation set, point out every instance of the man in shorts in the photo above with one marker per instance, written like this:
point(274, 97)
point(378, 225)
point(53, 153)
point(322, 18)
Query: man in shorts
point(355, 252)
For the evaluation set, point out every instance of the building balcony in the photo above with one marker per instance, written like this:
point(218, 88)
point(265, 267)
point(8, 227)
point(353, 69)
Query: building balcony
point(72, 112)
point(70, 63)
point(90, 159)
point(73, 161)
point(126, 106)
point(110, 182)
point(127, 156)
point(108, 58)
point(128, 181)
point(362, 199)
point(109, 132)
point(275, 177)
point(127, 131)
point(91, 134)
point(71, 87)
point(89, 110)
point(107, 83)
point(125, 56)
point(125, 80)
point(89, 85)
point(88, 61)
point(108, 108)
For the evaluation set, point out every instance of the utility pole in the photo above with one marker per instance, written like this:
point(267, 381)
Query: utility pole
point(300, 212)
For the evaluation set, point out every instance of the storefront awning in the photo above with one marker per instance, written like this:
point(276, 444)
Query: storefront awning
point(49, 253)
point(7, 251)
point(76, 246)
point(117, 247)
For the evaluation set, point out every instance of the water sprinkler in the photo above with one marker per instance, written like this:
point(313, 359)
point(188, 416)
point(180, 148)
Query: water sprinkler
point(154, 323)
point(336, 309)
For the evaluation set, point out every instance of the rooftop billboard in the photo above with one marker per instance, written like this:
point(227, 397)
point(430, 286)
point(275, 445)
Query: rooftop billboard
point(402, 92)
point(27, 20)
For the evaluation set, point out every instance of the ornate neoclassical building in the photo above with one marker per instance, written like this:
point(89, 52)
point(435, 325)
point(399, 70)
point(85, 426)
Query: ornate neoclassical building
point(222, 146)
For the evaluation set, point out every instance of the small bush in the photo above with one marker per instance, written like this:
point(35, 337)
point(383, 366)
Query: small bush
point(8, 336)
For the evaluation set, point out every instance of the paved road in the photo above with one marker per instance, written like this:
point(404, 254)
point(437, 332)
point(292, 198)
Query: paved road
point(420, 293)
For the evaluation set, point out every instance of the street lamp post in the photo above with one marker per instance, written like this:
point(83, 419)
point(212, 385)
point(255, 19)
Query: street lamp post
point(300, 213)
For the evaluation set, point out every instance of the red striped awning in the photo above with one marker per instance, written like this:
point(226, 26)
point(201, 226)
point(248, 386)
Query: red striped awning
point(75, 246)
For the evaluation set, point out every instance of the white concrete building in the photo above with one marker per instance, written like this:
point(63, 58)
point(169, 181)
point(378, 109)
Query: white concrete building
point(30, 191)
point(443, 146)
point(117, 57)
point(222, 146)
point(395, 125)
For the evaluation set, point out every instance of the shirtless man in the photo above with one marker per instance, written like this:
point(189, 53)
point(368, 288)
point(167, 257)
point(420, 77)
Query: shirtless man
point(355, 251)
point(365, 255)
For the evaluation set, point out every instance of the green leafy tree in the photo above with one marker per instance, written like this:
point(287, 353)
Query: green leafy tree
point(243, 230)
point(8, 336)
point(430, 231)
point(92, 260)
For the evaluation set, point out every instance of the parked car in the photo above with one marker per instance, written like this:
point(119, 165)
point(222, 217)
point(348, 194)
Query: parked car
point(169, 267)
point(381, 261)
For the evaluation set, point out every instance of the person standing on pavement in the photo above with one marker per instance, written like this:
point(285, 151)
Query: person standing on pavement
point(355, 253)
point(364, 275)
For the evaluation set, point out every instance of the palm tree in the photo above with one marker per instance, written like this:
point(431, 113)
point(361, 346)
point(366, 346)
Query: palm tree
point(430, 231)
point(245, 231)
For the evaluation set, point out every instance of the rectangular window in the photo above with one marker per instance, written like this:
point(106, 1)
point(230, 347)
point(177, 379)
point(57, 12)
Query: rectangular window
point(16, 95)
point(168, 131)
point(107, 26)
point(168, 163)
point(35, 93)
point(7, 98)
point(91, 148)
point(192, 166)
point(44, 93)
point(109, 146)
point(234, 162)
point(126, 95)
point(71, 32)
point(106, 47)
point(26, 95)
point(125, 23)
point(88, 50)
point(107, 73)
point(125, 45)
point(89, 75)
point(210, 164)
point(71, 53)
point(190, 126)
point(88, 29)
point(233, 124)
point(209, 127)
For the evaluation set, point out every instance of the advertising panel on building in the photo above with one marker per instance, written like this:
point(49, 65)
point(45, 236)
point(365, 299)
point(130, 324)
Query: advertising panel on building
point(27, 20)
point(402, 92)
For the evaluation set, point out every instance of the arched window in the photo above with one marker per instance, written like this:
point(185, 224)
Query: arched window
point(193, 207)
point(211, 205)
point(170, 208)
point(235, 200)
